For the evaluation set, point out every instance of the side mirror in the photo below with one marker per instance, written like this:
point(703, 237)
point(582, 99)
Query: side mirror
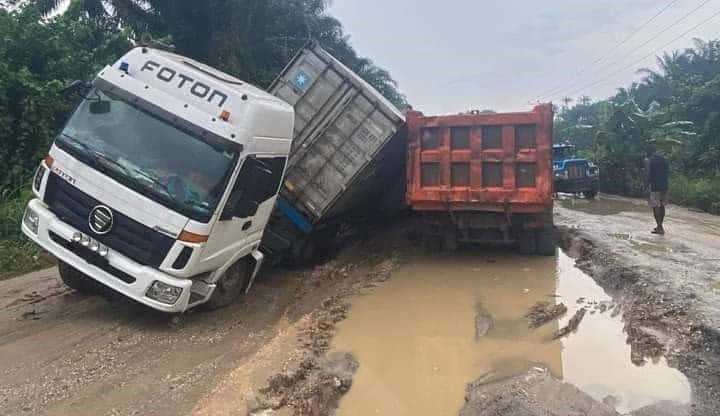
point(100, 107)
point(81, 87)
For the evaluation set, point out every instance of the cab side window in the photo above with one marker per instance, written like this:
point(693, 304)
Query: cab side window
point(258, 181)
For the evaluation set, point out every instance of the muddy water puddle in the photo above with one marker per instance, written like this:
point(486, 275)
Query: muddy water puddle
point(603, 205)
point(441, 323)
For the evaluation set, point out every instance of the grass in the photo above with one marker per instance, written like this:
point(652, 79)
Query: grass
point(700, 193)
point(18, 255)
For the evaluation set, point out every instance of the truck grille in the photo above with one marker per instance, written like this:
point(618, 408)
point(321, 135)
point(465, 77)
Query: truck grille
point(576, 171)
point(128, 237)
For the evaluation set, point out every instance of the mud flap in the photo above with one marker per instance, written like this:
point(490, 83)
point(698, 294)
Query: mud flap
point(259, 258)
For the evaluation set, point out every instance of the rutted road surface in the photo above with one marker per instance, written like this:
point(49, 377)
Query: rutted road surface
point(452, 326)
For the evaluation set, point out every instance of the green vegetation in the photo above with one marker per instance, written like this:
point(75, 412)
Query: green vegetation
point(678, 107)
point(17, 253)
point(41, 52)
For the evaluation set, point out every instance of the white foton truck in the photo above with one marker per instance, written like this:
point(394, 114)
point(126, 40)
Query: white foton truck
point(162, 182)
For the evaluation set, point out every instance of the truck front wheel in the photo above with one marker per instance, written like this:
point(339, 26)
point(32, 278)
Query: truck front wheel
point(76, 280)
point(231, 285)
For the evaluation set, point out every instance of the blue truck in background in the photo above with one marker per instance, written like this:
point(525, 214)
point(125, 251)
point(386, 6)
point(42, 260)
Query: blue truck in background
point(572, 174)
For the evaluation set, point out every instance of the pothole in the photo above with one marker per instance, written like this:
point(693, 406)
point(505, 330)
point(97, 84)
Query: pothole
point(443, 322)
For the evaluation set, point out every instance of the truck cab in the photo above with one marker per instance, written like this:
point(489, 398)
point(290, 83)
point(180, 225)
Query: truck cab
point(572, 174)
point(161, 183)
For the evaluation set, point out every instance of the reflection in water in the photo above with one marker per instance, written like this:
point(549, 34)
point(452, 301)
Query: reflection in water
point(415, 337)
point(597, 359)
point(604, 205)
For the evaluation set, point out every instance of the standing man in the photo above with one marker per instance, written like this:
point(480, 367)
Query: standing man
point(658, 173)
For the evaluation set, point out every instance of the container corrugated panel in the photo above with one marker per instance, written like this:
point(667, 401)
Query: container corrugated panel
point(342, 127)
point(481, 162)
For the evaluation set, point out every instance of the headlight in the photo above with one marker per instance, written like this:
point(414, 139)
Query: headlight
point(39, 175)
point(31, 220)
point(164, 293)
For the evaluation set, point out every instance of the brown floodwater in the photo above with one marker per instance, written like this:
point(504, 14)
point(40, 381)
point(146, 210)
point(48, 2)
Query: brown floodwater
point(443, 322)
point(604, 205)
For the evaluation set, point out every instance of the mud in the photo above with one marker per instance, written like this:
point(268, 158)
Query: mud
point(665, 301)
point(544, 312)
point(66, 353)
point(572, 325)
point(313, 389)
point(483, 321)
point(416, 337)
point(385, 328)
point(536, 393)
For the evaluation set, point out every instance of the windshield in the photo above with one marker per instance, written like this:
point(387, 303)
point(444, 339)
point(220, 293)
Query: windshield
point(149, 155)
point(563, 153)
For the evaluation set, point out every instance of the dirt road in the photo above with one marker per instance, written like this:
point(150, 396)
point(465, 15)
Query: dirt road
point(64, 353)
point(669, 285)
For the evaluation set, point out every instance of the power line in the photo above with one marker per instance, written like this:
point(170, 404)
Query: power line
point(607, 77)
point(614, 48)
point(624, 57)
point(636, 31)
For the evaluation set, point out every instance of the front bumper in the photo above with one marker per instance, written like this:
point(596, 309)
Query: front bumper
point(144, 276)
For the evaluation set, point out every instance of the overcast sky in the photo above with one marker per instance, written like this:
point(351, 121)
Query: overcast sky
point(456, 55)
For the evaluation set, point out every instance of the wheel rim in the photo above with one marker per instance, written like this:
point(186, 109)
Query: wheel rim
point(232, 280)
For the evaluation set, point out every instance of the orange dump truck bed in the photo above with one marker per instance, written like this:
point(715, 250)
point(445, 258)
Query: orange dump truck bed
point(487, 176)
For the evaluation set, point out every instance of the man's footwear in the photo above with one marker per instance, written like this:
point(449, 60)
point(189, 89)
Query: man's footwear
point(658, 230)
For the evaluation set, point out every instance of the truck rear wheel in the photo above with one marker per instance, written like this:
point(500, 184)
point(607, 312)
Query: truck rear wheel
point(449, 240)
point(432, 244)
point(231, 285)
point(545, 241)
point(77, 280)
point(590, 194)
point(303, 253)
point(526, 242)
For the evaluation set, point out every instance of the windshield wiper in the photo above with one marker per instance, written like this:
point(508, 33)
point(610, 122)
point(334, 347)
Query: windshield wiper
point(157, 182)
point(77, 142)
point(108, 159)
point(95, 154)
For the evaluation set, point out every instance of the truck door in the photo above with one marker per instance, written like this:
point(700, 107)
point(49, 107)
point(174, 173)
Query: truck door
point(249, 206)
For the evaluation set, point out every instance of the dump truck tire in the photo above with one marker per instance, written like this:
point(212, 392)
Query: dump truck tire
point(432, 244)
point(77, 280)
point(526, 242)
point(449, 240)
point(231, 285)
point(546, 242)
point(590, 194)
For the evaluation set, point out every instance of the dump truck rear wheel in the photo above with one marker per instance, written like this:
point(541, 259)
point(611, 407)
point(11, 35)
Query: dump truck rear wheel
point(526, 242)
point(231, 285)
point(590, 194)
point(77, 280)
point(431, 243)
point(545, 241)
point(450, 242)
